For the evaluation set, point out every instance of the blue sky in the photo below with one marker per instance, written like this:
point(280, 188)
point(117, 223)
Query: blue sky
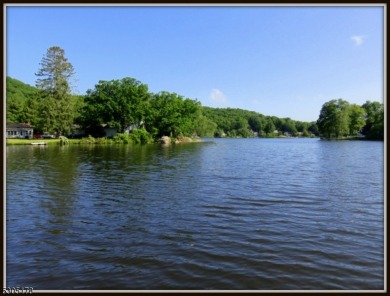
point(282, 61)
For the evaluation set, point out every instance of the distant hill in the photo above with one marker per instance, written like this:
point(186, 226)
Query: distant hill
point(17, 93)
point(18, 90)
point(234, 122)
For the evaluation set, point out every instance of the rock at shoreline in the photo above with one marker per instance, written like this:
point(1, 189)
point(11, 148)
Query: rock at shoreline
point(182, 139)
point(165, 140)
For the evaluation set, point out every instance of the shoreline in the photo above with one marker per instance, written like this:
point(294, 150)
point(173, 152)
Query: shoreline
point(172, 141)
point(93, 141)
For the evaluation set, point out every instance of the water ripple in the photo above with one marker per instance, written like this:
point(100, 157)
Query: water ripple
point(233, 214)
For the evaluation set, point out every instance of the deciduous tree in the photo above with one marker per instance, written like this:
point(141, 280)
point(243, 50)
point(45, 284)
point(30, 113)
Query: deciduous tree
point(333, 121)
point(374, 127)
point(356, 119)
point(119, 103)
point(172, 115)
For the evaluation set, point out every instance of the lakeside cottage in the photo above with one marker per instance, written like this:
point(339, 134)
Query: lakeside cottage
point(134, 126)
point(19, 131)
point(109, 131)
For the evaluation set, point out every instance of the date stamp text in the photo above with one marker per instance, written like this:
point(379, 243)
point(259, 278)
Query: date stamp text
point(18, 290)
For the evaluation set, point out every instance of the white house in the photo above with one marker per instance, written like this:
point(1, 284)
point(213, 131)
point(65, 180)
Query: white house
point(19, 131)
point(134, 126)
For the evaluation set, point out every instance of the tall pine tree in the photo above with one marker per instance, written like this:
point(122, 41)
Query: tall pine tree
point(54, 82)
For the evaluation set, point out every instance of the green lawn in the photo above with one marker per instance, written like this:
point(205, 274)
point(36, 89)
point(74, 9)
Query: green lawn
point(47, 141)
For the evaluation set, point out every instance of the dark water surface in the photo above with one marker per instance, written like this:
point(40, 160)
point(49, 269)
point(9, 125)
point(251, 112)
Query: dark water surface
point(247, 214)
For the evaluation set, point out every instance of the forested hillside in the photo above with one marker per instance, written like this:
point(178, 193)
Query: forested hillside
point(17, 94)
point(127, 102)
point(25, 103)
point(242, 123)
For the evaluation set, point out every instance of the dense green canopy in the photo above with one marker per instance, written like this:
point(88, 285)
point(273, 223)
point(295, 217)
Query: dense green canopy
point(338, 118)
point(127, 103)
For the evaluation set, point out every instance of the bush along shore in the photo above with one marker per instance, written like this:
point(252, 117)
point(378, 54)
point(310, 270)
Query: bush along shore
point(117, 139)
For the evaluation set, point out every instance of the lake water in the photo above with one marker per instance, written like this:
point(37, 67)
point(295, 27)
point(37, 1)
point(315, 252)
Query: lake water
point(226, 214)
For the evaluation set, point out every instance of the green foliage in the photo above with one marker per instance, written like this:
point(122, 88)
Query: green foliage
point(269, 127)
point(103, 140)
point(204, 127)
point(230, 122)
point(79, 104)
point(122, 138)
point(140, 136)
point(242, 123)
point(14, 111)
point(256, 123)
point(374, 125)
point(289, 126)
point(92, 140)
point(172, 115)
point(64, 140)
point(119, 103)
point(17, 93)
point(26, 103)
point(88, 140)
point(377, 131)
point(31, 111)
point(313, 128)
point(356, 119)
point(55, 73)
point(127, 105)
point(338, 119)
point(57, 105)
point(333, 121)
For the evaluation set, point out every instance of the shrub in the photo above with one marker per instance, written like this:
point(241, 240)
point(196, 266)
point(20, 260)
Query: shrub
point(64, 140)
point(89, 140)
point(103, 140)
point(122, 139)
point(141, 136)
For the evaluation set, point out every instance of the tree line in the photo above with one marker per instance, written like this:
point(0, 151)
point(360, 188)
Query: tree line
point(127, 102)
point(128, 106)
point(338, 119)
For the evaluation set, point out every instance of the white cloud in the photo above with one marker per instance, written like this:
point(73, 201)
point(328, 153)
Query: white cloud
point(358, 40)
point(218, 97)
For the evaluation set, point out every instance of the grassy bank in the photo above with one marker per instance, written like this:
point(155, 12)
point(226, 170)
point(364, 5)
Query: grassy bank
point(58, 141)
point(118, 139)
point(29, 141)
